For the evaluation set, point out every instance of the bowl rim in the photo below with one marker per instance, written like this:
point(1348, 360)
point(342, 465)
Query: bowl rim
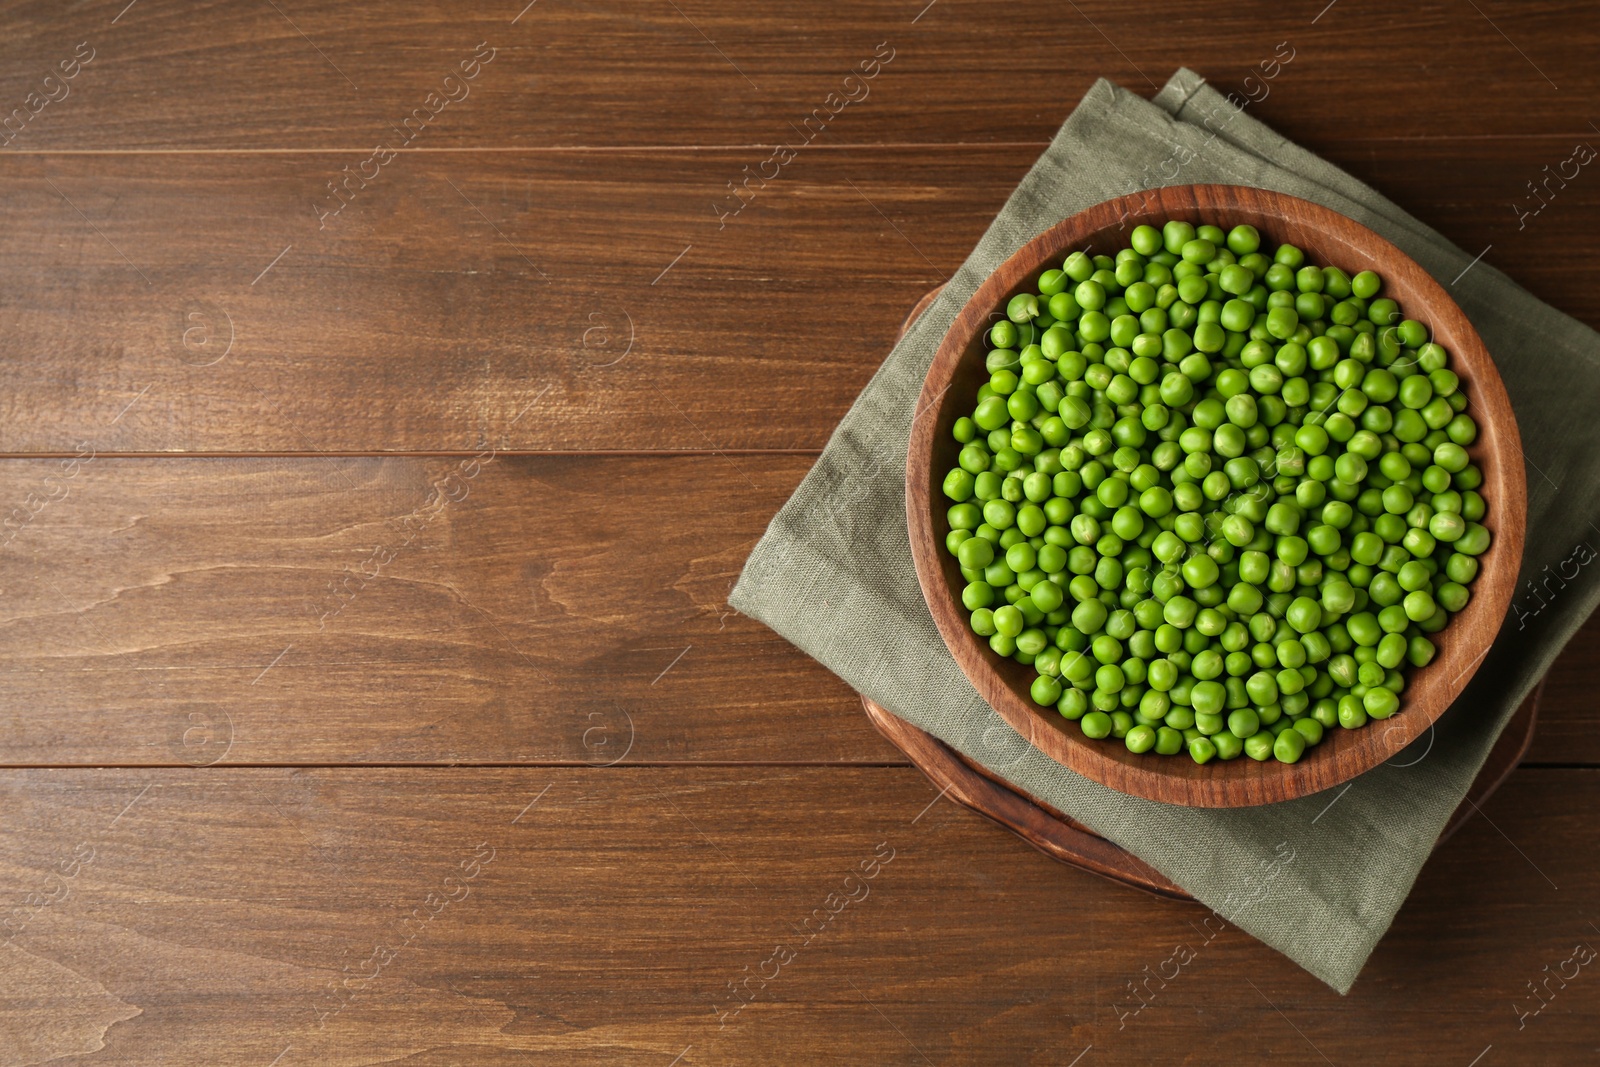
point(1346, 753)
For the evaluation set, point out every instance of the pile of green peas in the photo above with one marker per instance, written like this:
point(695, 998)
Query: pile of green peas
point(1216, 500)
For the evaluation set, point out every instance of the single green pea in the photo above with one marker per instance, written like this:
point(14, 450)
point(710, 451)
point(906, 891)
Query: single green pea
point(1169, 742)
point(1199, 250)
point(1095, 725)
point(1236, 279)
point(983, 622)
point(1052, 282)
point(980, 595)
point(1046, 691)
point(1140, 739)
point(1289, 746)
point(1304, 615)
point(1179, 611)
point(1352, 715)
point(1258, 746)
point(1413, 334)
point(1229, 745)
point(1419, 605)
point(1243, 240)
point(1383, 311)
point(1047, 595)
point(1350, 469)
point(1145, 239)
point(1175, 234)
point(1022, 308)
point(1380, 703)
point(1282, 322)
point(961, 482)
point(1310, 729)
point(975, 552)
point(1474, 541)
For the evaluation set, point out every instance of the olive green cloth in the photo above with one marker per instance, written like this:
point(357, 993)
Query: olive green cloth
point(1319, 878)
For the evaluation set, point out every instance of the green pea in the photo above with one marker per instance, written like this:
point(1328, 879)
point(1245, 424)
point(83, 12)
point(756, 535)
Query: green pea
point(1282, 322)
point(1243, 240)
point(1000, 514)
point(958, 485)
point(1140, 739)
point(1199, 250)
point(1380, 703)
point(1208, 697)
point(1419, 605)
point(1169, 742)
point(1258, 746)
point(1289, 746)
point(1350, 468)
point(1074, 703)
point(1304, 615)
point(1180, 611)
point(1473, 542)
point(1420, 651)
point(1310, 729)
point(1200, 571)
point(1046, 691)
point(975, 552)
point(1022, 308)
point(1229, 745)
point(1096, 725)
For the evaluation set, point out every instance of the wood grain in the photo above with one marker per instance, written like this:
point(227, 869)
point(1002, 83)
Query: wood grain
point(1326, 237)
point(415, 323)
point(164, 611)
point(304, 73)
point(1569, 712)
point(556, 609)
point(221, 911)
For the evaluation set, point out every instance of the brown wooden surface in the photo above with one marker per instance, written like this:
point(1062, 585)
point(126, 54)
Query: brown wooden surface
point(527, 634)
point(218, 910)
point(1328, 239)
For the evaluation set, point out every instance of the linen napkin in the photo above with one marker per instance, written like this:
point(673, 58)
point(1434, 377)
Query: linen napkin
point(1319, 878)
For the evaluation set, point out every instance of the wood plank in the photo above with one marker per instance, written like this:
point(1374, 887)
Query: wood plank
point(1568, 715)
point(400, 610)
point(333, 917)
point(595, 286)
point(304, 73)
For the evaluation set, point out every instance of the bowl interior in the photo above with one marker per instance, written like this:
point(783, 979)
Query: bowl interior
point(1328, 239)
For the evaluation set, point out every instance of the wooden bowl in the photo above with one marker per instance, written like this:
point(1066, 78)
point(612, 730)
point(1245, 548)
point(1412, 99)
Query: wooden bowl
point(1330, 239)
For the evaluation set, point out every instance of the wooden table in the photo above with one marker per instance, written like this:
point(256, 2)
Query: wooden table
point(386, 417)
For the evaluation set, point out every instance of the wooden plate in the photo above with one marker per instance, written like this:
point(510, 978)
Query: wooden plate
point(1060, 837)
point(1327, 238)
